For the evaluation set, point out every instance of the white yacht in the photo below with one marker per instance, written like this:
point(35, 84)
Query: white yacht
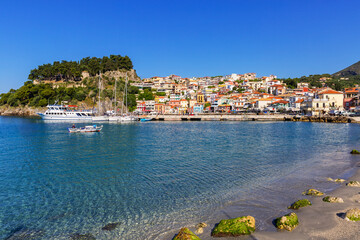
point(66, 112)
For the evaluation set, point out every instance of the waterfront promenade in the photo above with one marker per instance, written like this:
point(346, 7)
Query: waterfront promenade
point(254, 117)
point(222, 117)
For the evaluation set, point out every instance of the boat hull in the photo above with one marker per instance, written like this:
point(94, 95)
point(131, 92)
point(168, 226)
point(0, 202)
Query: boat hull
point(65, 118)
point(85, 129)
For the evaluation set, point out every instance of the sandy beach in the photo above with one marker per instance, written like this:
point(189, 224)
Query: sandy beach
point(324, 220)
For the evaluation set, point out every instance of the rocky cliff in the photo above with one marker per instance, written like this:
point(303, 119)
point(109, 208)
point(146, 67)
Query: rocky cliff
point(20, 111)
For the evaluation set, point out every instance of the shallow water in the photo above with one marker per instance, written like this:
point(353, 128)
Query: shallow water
point(156, 177)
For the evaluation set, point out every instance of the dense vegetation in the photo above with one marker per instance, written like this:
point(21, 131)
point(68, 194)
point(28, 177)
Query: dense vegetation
point(71, 70)
point(40, 95)
point(331, 81)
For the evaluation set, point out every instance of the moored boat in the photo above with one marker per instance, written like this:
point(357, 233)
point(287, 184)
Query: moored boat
point(146, 119)
point(100, 118)
point(91, 128)
point(66, 112)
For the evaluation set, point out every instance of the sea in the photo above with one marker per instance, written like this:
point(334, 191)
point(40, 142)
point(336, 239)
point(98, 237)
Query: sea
point(153, 178)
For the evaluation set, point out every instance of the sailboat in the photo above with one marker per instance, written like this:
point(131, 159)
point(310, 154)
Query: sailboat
point(99, 117)
point(126, 117)
point(115, 118)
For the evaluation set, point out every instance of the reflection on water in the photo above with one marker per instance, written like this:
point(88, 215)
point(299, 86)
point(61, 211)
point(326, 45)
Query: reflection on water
point(156, 177)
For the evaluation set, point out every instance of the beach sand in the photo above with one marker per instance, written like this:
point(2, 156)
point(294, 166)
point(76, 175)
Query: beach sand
point(323, 220)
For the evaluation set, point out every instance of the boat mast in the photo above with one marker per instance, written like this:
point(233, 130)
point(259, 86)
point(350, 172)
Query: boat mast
point(99, 95)
point(122, 105)
point(115, 99)
point(126, 93)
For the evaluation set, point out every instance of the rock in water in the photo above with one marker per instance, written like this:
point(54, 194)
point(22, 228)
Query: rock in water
point(200, 227)
point(23, 233)
point(86, 236)
point(331, 199)
point(110, 226)
point(354, 151)
point(234, 227)
point(353, 184)
point(300, 203)
point(186, 234)
point(199, 230)
point(288, 222)
point(313, 192)
point(353, 214)
point(337, 180)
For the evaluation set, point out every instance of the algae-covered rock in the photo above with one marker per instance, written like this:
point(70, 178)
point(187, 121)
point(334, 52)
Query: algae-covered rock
point(288, 222)
point(200, 227)
point(186, 234)
point(313, 192)
point(331, 199)
point(300, 203)
point(234, 227)
point(353, 214)
point(25, 233)
point(353, 184)
point(110, 226)
point(86, 236)
point(337, 180)
point(354, 151)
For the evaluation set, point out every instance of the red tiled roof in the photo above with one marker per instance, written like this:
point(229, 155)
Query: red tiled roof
point(330, 91)
point(281, 101)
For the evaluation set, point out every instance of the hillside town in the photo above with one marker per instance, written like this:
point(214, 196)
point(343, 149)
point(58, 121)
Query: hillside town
point(238, 93)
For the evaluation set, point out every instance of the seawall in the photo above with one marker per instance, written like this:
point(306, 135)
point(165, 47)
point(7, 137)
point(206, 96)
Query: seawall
point(255, 117)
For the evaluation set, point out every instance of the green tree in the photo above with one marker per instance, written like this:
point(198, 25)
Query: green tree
point(146, 95)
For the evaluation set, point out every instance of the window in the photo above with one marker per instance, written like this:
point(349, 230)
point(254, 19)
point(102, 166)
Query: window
point(317, 105)
point(323, 105)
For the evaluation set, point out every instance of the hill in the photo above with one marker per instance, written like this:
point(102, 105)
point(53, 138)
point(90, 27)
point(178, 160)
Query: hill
point(352, 70)
point(77, 83)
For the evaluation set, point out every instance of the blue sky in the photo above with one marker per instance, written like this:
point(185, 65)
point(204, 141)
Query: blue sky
point(288, 38)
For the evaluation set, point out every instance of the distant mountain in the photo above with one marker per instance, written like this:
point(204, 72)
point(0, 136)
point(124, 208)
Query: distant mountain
point(349, 71)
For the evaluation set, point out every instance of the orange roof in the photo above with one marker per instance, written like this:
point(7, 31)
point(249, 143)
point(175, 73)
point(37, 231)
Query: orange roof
point(299, 101)
point(330, 91)
point(265, 99)
point(281, 101)
point(351, 90)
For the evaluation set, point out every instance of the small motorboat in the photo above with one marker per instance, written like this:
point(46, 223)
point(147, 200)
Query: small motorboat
point(91, 128)
point(145, 119)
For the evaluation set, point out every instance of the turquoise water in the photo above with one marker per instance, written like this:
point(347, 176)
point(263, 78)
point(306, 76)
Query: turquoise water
point(155, 177)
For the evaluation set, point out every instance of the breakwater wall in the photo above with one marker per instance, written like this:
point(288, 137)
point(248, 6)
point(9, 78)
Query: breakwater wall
point(254, 117)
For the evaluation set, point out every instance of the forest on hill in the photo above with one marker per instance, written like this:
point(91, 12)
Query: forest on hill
point(85, 92)
point(71, 70)
point(42, 94)
point(320, 80)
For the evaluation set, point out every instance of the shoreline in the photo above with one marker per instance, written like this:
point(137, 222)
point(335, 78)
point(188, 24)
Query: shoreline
point(324, 220)
point(32, 113)
point(321, 220)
